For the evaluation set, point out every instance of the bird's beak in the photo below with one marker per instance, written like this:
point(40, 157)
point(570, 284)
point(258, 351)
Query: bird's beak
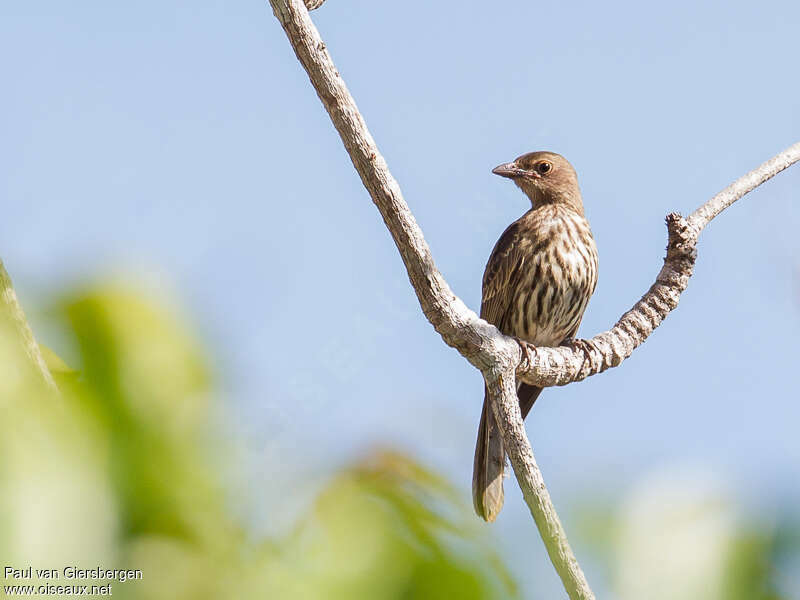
point(509, 170)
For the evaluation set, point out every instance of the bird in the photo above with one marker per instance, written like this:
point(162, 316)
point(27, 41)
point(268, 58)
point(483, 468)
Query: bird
point(536, 286)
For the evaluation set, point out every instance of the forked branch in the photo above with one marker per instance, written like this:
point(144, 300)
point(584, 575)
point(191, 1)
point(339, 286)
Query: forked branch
point(500, 358)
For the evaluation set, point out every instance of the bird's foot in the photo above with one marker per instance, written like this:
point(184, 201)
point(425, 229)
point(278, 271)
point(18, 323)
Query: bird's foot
point(584, 346)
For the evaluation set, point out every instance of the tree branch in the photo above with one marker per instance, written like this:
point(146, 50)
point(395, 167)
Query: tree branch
point(13, 311)
point(583, 358)
point(459, 326)
point(500, 358)
point(746, 183)
point(503, 395)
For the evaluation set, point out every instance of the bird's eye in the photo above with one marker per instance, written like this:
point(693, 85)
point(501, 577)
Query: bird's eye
point(544, 168)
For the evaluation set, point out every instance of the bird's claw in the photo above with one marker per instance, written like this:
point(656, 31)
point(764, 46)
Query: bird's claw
point(584, 346)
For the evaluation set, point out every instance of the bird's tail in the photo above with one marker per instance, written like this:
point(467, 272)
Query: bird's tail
point(490, 456)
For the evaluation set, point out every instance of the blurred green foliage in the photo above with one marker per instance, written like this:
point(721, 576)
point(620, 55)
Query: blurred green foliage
point(123, 470)
point(126, 469)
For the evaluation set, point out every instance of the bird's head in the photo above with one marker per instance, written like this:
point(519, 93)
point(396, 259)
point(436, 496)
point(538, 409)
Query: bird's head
point(545, 177)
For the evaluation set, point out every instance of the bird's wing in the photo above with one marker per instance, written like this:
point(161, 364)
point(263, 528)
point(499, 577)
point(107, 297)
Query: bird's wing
point(502, 276)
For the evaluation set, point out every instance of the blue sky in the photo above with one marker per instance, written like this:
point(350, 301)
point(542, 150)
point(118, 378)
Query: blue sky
point(182, 145)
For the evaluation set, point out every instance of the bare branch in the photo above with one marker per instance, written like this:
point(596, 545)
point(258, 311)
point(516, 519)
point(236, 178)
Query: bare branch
point(747, 183)
point(11, 309)
point(458, 326)
point(313, 4)
point(503, 394)
point(501, 358)
point(583, 358)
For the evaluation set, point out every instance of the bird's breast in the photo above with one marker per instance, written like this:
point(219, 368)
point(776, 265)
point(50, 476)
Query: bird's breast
point(558, 278)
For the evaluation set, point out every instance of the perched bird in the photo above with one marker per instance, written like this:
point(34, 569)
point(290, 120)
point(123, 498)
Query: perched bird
point(536, 286)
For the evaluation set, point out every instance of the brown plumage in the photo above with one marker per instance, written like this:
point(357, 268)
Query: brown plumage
point(536, 286)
